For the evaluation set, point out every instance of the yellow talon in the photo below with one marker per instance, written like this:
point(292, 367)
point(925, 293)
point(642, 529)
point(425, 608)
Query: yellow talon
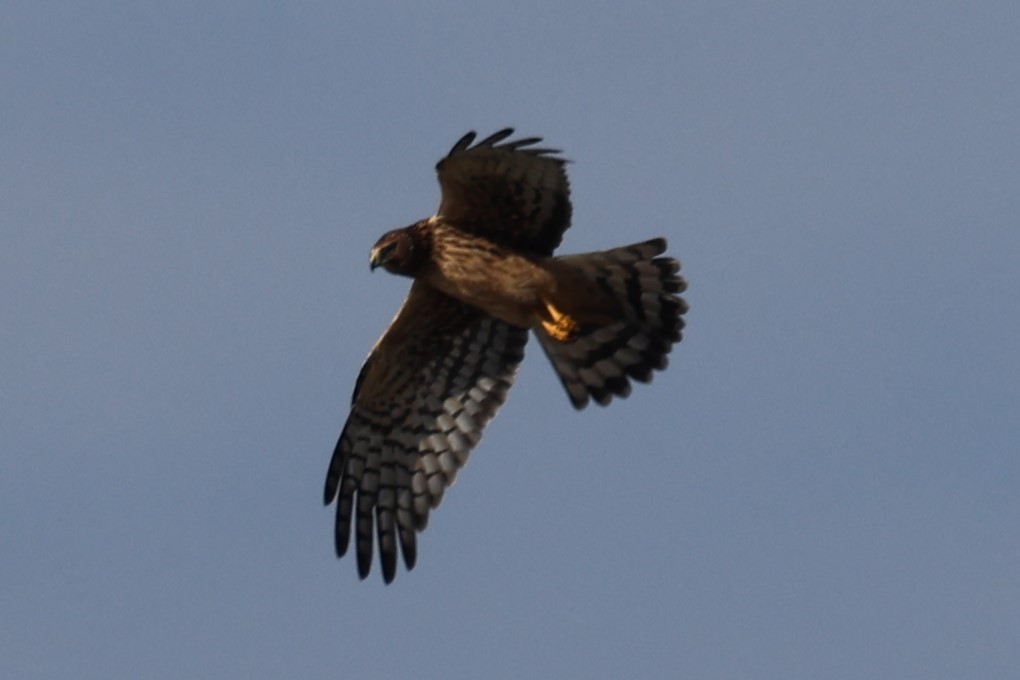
point(559, 325)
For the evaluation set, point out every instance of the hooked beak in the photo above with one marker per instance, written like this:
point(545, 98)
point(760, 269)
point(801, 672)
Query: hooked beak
point(374, 259)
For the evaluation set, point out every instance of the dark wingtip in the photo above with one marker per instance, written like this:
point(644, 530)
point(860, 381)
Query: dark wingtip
point(364, 566)
point(410, 555)
point(464, 142)
point(497, 136)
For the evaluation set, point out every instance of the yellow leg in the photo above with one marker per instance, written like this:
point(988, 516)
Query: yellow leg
point(559, 325)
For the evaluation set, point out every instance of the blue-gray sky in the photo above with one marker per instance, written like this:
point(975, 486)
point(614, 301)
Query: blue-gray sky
point(823, 485)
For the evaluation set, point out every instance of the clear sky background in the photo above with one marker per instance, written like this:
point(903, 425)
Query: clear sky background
point(823, 485)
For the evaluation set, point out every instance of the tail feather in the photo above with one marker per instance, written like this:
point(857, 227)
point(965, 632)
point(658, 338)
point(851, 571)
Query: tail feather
point(601, 360)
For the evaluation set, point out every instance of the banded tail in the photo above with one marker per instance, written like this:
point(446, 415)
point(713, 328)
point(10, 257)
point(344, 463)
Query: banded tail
point(629, 312)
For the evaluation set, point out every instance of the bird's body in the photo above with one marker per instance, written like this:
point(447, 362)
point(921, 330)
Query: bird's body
point(474, 270)
point(484, 275)
point(521, 289)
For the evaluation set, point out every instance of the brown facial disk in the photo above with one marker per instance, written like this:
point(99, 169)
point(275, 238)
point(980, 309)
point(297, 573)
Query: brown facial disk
point(402, 251)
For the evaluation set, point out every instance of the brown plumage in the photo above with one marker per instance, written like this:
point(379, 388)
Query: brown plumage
point(484, 275)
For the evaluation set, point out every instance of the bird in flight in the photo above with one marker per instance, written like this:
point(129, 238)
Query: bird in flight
point(484, 275)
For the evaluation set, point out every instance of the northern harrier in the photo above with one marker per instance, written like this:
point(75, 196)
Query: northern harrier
point(484, 275)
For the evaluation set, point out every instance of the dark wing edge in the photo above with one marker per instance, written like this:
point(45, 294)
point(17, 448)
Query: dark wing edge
point(428, 389)
point(492, 141)
point(511, 192)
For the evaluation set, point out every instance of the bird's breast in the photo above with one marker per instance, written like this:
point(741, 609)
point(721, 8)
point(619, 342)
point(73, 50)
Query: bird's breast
point(497, 280)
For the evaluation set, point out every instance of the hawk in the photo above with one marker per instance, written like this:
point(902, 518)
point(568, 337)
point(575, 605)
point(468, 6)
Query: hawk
point(484, 275)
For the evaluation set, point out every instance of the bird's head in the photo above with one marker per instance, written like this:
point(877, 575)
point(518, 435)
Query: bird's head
point(398, 252)
point(384, 251)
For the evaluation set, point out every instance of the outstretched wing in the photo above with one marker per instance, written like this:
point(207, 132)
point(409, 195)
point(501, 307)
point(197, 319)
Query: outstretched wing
point(435, 378)
point(511, 193)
